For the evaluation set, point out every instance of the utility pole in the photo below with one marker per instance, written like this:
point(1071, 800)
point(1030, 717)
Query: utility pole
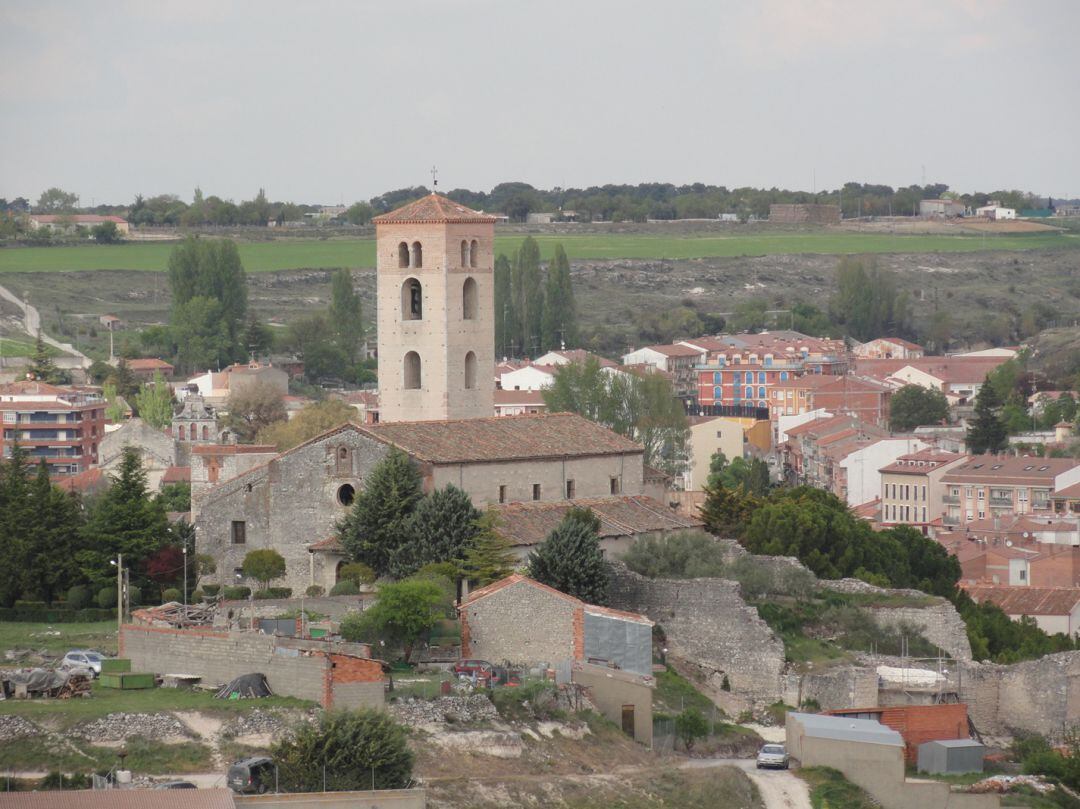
point(119, 594)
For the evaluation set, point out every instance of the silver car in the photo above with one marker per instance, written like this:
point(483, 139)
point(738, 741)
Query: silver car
point(773, 756)
point(82, 659)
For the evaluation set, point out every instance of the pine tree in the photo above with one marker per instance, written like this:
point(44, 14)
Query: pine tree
point(16, 515)
point(42, 368)
point(155, 403)
point(441, 529)
point(52, 539)
point(560, 311)
point(726, 510)
point(489, 556)
point(346, 314)
point(504, 318)
point(376, 529)
point(987, 433)
point(570, 561)
point(124, 520)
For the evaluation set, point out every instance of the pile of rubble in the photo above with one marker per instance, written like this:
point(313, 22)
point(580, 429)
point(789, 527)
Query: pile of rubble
point(1006, 783)
point(465, 710)
point(15, 727)
point(123, 726)
point(255, 722)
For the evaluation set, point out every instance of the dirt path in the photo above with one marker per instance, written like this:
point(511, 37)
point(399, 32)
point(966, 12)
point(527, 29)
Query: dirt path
point(780, 789)
point(32, 326)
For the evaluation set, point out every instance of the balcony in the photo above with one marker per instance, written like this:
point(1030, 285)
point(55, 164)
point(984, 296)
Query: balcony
point(950, 499)
point(1000, 502)
point(950, 519)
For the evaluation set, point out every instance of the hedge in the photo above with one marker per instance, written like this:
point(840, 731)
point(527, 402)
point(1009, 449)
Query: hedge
point(274, 592)
point(56, 616)
point(345, 587)
point(211, 589)
point(237, 593)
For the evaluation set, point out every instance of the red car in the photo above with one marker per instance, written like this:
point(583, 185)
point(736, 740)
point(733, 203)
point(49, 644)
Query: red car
point(467, 668)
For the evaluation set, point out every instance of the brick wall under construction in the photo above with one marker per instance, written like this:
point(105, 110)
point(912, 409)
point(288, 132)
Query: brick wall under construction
point(804, 213)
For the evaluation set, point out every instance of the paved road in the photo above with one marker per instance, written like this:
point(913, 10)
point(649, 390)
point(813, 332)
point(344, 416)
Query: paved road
point(32, 326)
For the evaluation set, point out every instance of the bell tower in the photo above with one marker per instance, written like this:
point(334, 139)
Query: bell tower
point(435, 298)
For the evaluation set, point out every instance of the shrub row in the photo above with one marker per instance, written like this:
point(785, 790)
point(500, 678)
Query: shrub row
point(236, 593)
point(274, 592)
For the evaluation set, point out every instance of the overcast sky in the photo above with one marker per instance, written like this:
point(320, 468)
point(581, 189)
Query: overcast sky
point(331, 102)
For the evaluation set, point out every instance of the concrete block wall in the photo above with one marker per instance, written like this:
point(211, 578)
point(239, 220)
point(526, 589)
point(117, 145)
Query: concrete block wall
point(218, 657)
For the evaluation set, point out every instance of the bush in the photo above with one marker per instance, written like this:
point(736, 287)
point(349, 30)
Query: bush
point(345, 588)
point(685, 555)
point(691, 725)
point(56, 615)
point(106, 597)
point(237, 593)
point(134, 595)
point(314, 591)
point(211, 589)
point(274, 592)
point(172, 594)
point(345, 750)
point(197, 596)
point(356, 572)
point(78, 597)
point(30, 605)
point(754, 576)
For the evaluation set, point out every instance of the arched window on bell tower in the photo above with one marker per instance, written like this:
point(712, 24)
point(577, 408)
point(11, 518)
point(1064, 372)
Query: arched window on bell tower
point(412, 371)
point(464, 253)
point(470, 298)
point(470, 371)
point(417, 255)
point(412, 300)
point(474, 252)
point(403, 255)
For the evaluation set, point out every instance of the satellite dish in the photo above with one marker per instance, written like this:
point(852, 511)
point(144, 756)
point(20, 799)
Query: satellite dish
point(1026, 535)
point(1008, 543)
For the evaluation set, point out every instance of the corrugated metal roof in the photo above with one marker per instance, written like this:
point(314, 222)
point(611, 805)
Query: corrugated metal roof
point(844, 728)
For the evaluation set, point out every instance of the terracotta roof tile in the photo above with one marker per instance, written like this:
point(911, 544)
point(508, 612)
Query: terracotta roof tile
point(433, 208)
point(177, 474)
point(518, 578)
point(1020, 469)
point(527, 524)
point(1027, 600)
point(328, 544)
point(503, 438)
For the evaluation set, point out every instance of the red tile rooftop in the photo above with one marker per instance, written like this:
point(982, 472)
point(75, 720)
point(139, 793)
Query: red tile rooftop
point(433, 208)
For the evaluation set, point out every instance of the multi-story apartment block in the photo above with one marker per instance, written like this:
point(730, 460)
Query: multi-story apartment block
point(741, 369)
point(678, 359)
point(911, 488)
point(1000, 486)
point(63, 425)
point(865, 399)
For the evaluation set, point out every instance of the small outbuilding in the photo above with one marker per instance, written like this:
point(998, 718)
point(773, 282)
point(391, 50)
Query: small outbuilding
point(949, 756)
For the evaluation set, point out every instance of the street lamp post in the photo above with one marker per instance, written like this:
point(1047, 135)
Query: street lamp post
point(185, 578)
point(118, 563)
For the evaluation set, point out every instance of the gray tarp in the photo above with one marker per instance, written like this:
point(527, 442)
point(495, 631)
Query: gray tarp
point(37, 680)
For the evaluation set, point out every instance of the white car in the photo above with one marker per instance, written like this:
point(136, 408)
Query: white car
point(82, 659)
point(774, 756)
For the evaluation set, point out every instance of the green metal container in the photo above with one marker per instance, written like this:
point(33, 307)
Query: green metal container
point(115, 665)
point(317, 632)
point(127, 680)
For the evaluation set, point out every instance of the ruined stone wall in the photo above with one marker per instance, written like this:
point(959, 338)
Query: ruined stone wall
point(833, 689)
point(709, 626)
point(940, 624)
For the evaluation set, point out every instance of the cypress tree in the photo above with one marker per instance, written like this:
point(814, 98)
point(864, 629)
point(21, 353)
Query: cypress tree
point(570, 561)
point(441, 530)
point(42, 367)
point(124, 520)
point(16, 516)
point(52, 539)
point(346, 314)
point(987, 433)
point(376, 530)
point(489, 556)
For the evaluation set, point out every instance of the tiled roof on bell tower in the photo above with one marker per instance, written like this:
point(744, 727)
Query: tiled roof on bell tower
point(433, 208)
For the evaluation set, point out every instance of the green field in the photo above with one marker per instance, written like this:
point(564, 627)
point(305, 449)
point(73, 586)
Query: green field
point(22, 348)
point(297, 254)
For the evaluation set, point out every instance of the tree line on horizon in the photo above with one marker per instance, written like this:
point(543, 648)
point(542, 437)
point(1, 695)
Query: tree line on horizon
point(610, 202)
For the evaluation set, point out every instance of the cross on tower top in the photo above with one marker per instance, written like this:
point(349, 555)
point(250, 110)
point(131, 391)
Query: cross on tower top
point(434, 178)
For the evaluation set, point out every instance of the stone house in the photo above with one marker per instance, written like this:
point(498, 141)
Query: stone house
point(292, 501)
point(520, 621)
point(157, 450)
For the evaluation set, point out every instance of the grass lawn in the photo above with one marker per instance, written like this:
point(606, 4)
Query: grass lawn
point(674, 693)
point(71, 755)
point(99, 635)
point(68, 712)
point(830, 790)
point(292, 254)
point(22, 348)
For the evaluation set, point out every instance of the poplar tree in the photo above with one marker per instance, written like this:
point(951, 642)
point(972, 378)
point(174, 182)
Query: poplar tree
point(154, 403)
point(560, 311)
point(209, 297)
point(346, 314)
point(529, 295)
point(504, 312)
